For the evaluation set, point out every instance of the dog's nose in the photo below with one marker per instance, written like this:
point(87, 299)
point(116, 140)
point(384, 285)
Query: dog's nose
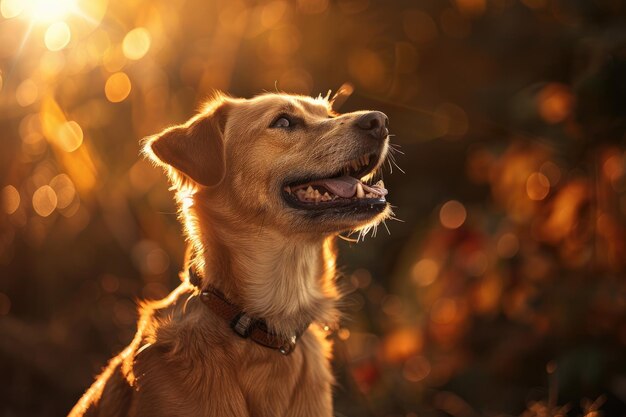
point(375, 123)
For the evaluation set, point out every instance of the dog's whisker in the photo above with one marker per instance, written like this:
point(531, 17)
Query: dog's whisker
point(395, 149)
point(347, 239)
point(393, 161)
point(269, 287)
point(388, 161)
point(386, 227)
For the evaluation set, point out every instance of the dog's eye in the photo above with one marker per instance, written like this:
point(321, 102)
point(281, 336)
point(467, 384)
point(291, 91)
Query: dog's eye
point(281, 122)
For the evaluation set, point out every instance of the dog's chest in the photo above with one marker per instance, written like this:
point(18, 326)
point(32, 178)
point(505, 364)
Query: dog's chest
point(238, 382)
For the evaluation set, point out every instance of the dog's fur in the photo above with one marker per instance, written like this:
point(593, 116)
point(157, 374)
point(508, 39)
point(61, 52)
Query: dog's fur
point(275, 261)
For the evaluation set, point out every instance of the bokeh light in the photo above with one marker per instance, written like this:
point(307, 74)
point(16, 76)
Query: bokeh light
point(117, 87)
point(416, 368)
point(425, 271)
point(452, 214)
point(44, 200)
point(555, 103)
point(10, 199)
point(537, 186)
point(136, 43)
point(70, 136)
point(63, 188)
point(57, 36)
point(11, 8)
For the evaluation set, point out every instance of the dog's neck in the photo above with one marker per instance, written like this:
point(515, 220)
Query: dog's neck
point(287, 281)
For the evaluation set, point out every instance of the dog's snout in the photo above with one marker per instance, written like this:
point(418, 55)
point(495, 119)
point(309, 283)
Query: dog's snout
point(375, 123)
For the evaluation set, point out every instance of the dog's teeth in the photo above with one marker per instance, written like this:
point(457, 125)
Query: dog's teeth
point(301, 194)
point(359, 190)
point(288, 189)
point(326, 197)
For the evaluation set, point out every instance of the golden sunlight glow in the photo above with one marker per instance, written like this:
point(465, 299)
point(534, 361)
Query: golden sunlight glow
point(136, 43)
point(57, 36)
point(79, 164)
point(70, 136)
point(11, 8)
point(117, 87)
point(48, 10)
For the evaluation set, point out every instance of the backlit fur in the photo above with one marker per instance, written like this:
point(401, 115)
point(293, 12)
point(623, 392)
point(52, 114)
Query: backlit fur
point(275, 261)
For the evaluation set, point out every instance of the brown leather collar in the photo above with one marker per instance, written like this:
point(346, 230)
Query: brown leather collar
point(243, 324)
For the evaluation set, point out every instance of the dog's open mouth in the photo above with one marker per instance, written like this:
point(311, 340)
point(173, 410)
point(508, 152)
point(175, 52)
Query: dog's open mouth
point(342, 189)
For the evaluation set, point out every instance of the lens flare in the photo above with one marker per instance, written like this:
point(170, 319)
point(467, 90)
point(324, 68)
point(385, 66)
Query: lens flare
point(49, 10)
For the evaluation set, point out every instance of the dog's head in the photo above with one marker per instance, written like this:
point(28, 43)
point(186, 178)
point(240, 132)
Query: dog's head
point(283, 161)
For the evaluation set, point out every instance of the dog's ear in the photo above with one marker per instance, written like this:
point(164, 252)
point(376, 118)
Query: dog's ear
point(195, 149)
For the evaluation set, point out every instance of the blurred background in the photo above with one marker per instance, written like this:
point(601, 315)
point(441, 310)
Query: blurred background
point(501, 290)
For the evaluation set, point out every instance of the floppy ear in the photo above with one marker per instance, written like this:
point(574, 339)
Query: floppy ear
point(195, 149)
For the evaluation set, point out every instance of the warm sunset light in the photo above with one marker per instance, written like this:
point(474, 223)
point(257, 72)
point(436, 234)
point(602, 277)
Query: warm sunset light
point(46, 10)
point(496, 286)
point(70, 136)
point(57, 36)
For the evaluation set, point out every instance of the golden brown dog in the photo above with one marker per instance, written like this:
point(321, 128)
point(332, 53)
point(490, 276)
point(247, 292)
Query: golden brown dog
point(264, 185)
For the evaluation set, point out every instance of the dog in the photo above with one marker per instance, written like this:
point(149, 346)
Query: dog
point(264, 185)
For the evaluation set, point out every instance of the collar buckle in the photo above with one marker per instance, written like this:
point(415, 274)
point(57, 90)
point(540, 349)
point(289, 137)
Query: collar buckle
point(243, 325)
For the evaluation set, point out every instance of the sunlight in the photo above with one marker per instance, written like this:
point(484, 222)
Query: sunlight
point(49, 10)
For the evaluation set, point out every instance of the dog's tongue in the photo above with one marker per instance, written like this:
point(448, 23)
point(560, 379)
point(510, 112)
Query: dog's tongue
point(343, 186)
point(346, 186)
